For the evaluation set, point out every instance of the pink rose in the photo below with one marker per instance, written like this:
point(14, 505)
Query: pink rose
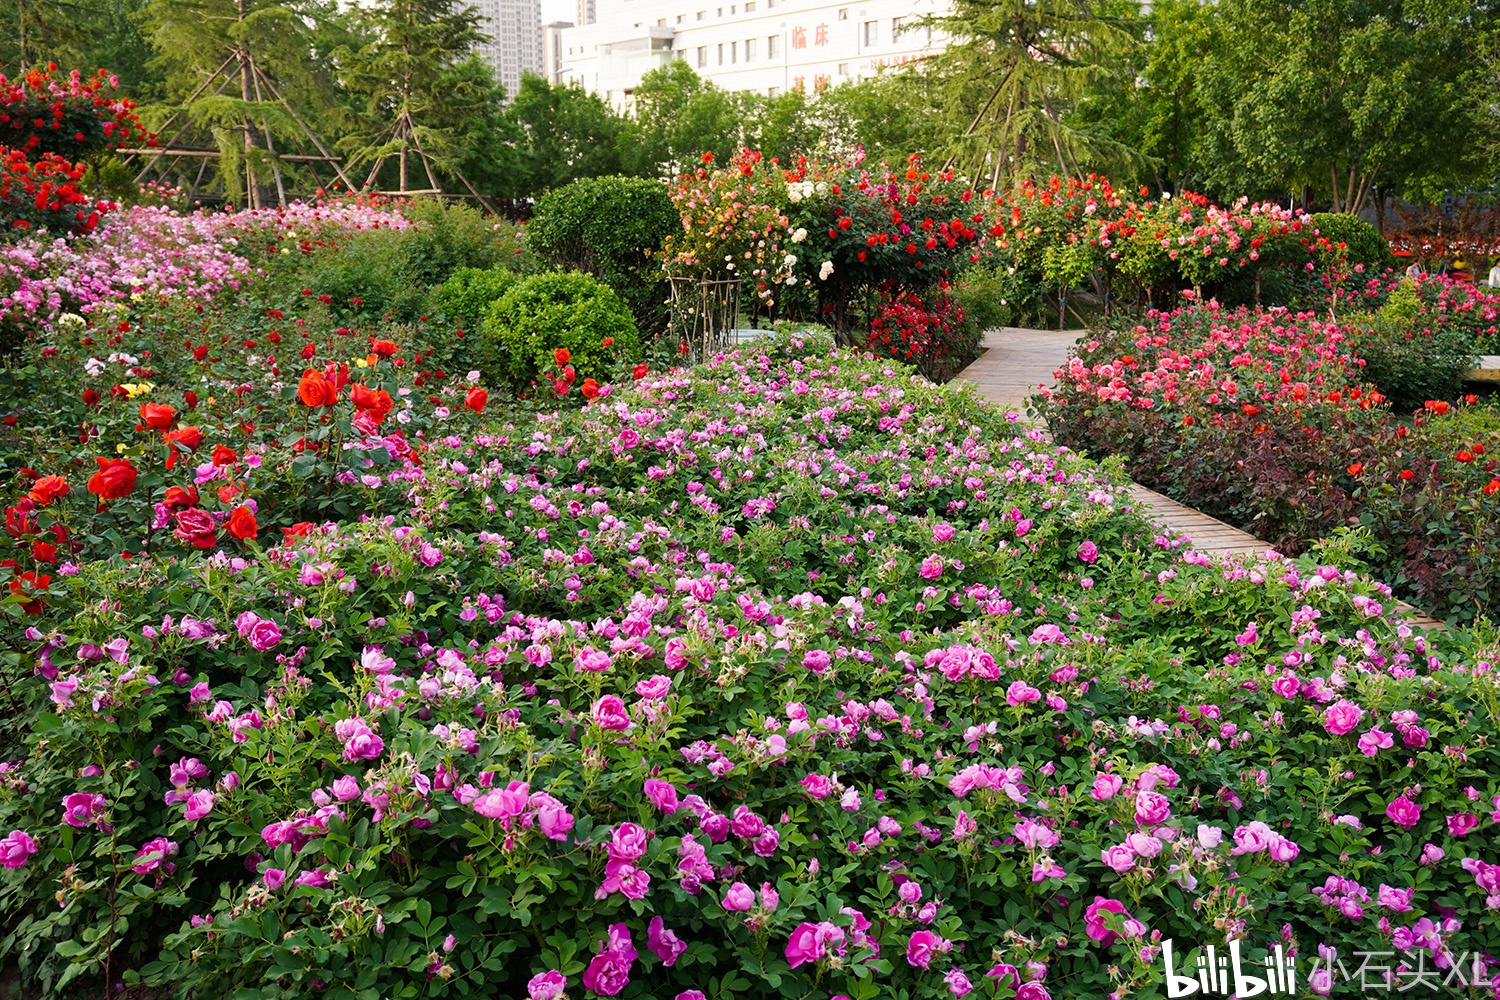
point(1462, 824)
point(654, 687)
point(662, 794)
point(817, 786)
point(1152, 808)
point(810, 942)
point(1019, 693)
point(1088, 552)
point(592, 660)
point(199, 805)
point(1106, 786)
point(1096, 915)
point(739, 898)
point(274, 878)
point(1342, 716)
point(816, 660)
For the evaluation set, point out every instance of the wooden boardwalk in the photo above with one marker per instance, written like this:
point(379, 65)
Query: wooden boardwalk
point(1018, 361)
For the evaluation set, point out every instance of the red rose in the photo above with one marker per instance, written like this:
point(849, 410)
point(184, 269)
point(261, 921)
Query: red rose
point(384, 348)
point(48, 489)
point(18, 519)
point(197, 528)
point(27, 583)
point(44, 552)
point(224, 455)
point(377, 403)
point(308, 350)
point(562, 356)
point(242, 523)
point(157, 416)
point(181, 496)
point(115, 478)
point(590, 389)
point(298, 530)
point(476, 399)
point(90, 397)
point(188, 437)
point(200, 352)
point(639, 371)
point(191, 399)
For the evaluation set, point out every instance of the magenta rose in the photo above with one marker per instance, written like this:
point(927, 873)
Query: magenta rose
point(609, 972)
point(547, 986)
point(83, 808)
point(1088, 552)
point(1152, 808)
point(921, 948)
point(805, 945)
point(1403, 812)
point(817, 786)
point(739, 898)
point(1094, 919)
point(610, 713)
point(16, 848)
point(665, 944)
point(1462, 824)
point(197, 528)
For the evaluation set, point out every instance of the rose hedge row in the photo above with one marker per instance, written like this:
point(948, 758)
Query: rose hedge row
point(787, 674)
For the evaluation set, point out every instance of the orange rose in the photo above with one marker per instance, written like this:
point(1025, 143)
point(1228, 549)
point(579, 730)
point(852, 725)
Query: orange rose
point(242, 523)
point(562, 356)
point(115, 478)
point(384, 348)
point(48, 489)
point(157, 416)
point(376, 402)
point(315, 390)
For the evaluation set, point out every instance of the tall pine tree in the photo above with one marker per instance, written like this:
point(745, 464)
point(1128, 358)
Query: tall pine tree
point(411, 130)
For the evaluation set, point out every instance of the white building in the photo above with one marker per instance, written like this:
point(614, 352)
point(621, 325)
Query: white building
point(552, 48)
point(767, 46)
point(515, 45)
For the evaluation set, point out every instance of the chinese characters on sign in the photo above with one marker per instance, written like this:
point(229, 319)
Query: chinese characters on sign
point(799, 36)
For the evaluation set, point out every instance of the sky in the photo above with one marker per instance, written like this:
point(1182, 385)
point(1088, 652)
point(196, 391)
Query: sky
point(558, 10)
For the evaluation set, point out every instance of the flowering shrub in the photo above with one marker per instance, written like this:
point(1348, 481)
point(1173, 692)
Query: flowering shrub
point(48, 126)
point(789, 674)
point(568, 321)
point(930, 336)
point(1265, 419)
point(732, 223)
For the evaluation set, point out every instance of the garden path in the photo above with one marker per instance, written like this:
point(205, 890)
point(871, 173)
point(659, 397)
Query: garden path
point(1017, 361)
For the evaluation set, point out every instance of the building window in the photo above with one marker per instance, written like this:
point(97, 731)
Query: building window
point(734, 52)
point(770, 4)
point(721, 54)
point(749, 50)
point(702, 14)
point(773, 47)
point(750, 7)
point(773, 91)
point(896, 23)
point(661, 22)
point(681, 18)
point(872, 32)
point(703, 57)
point(843, 13)
point(843, 69)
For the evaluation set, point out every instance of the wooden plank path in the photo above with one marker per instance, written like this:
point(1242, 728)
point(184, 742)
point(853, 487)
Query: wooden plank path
point(1018, 361)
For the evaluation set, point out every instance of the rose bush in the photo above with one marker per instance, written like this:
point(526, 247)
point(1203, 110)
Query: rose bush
point(1266, 420)
point(789, 674)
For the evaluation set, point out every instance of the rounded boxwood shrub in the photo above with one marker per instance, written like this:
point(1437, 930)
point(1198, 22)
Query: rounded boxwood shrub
point(1366, 245)
point(606, 226)
point(522, 331)
point(463, 299)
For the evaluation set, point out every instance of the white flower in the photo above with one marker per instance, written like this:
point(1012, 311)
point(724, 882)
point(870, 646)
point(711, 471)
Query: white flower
point(789, 260)
point(793, 194)
point(825, 270)
point(799, 235)
point(473, 376)
point(791, 280)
